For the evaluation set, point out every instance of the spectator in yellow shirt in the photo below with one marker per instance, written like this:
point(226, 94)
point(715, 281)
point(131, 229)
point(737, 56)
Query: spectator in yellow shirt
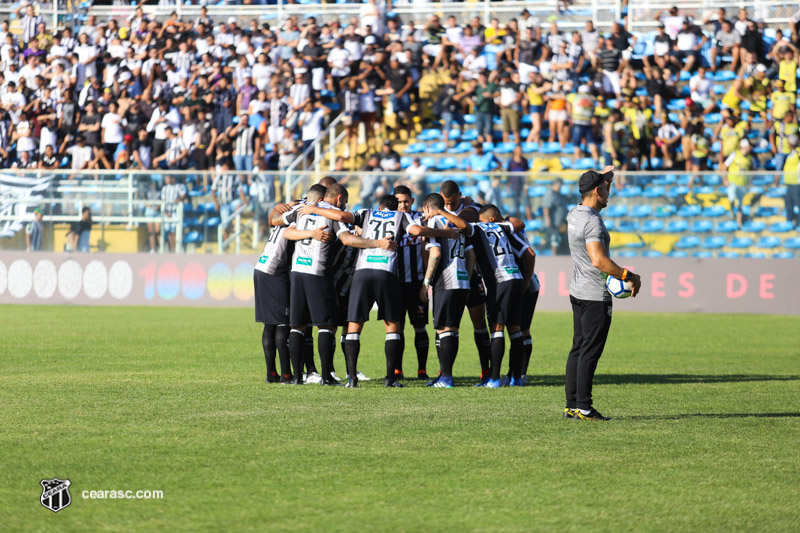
point(791, 179)
point(779, 138)
point(788, 69)
point(782, 100)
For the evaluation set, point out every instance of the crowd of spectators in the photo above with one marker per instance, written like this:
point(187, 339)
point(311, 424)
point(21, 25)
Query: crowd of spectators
point(244, 95)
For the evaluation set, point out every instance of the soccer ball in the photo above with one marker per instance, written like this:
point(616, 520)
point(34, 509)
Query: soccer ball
point(618, 288)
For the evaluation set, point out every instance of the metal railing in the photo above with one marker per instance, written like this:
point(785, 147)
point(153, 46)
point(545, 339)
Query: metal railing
point(292, 173)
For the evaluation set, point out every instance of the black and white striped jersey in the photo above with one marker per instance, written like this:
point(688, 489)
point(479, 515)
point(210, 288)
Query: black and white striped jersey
point(312, 256)
point(519, 243)
point(278, 251)
point(410, 266)
point(379, 224)
point(451, 273)
point(494, 252)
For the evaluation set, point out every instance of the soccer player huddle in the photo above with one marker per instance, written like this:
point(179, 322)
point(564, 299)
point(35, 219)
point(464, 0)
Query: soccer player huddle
point(325, 267)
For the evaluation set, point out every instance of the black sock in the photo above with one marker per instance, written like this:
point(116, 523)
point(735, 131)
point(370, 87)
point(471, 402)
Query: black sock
point(498, 348)
point(296, 348)
point(268, 343)
point(483, 343)
point(326, 342)
point(308, 352)
point(333, 351)
point(341, 345)
point(393, 350)
point(399, 367)
point(527, 350)
point(438, 344)
point(421, 343)
point(351, 346)
point(515, 354)
point(449, 350)
point(282, 342)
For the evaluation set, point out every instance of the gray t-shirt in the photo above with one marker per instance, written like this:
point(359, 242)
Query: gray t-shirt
point(585, 225)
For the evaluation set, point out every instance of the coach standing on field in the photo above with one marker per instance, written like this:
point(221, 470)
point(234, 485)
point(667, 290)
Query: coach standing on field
point(591, 303)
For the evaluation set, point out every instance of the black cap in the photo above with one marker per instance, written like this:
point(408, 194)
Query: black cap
point(591, 179)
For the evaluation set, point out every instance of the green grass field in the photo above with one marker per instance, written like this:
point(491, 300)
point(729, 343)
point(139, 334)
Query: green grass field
point(704, 438)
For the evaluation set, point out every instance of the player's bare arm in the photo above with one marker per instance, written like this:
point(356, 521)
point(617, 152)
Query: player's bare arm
point(456, 220)
point(528, 266)
point(434, 256)
point(281, 209)
point(517, 223)
point(331, 214)
point(606, 265)
point(293, 234)
point(422, 231)
point(348, 239)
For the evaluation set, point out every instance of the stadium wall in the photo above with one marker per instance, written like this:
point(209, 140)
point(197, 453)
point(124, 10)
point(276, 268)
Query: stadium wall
point(766, 286)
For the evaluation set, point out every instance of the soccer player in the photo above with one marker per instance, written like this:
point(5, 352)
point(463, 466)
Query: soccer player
point(450, 264)
point(312, 296)
point(505, 286)
point(375, 279)
point(411, 270)
point(271, 285)
point(591, 303)
point(476, 303)
point(529, 298)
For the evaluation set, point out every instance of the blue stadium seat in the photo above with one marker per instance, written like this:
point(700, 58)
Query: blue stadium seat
point(193, 237)
point(615, 211)
point(741, 243)
point(436, 148)
point(610, 225)
point(728, 255)
point(454, 134)
point(677, 226)
point(713, 118)
point(667, 179)
point(537, 191)
point(756, 255)
point(703, 254)
point(688, 241)
point(714, 211)
point(211, 222)
point(724, 75)
point(641, 211)
point(677, 104)
point(704, 190)
point(469, 119)
point(713, 243)
point(768, 242)
point(446, 163)
point(783, 255)
point(762, 181)
point(764, 211)
point(678, 254)
point(665, 211)
point(405, 162)
point(689, 211)
point(631, 191)
point(428, 162)
point(461, 148)
point(470, 136)
point(458, 178)
point(194, 193)
point(654, 192)
point(652, 226)
point(550, 148)
point(528, 148)
point(675, 192)
point(652, 253)
point(533, 225)
point(626, 254)
point(781, 227)
point(726, 226)
point(753, 226)
point(792, 243)
point(776, 192)
point(505, 148)
point(488, 146)
point(712, 180)
point(415, 148)
point(701, 226)
point(627, 226)
point(584, 163)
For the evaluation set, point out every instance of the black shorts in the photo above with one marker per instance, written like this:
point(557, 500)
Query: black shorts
point(448, 307)
point(416, 309)
point(370, 286)
point(477, 294)
point(312, 300)
point(529, 300)
point(504, 303)
point(272, 298)
point(342, 309)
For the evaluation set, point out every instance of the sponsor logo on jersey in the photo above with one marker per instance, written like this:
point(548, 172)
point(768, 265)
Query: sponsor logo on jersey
point(512, 270)
point(304, 261)
point(377, 259)
point(263, 259)
point(382, 214)
point(461, 275)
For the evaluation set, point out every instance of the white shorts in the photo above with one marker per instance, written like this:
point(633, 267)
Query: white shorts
point(557, 115)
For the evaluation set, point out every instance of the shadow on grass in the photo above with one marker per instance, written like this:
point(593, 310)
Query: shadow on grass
point(711, 415)
point(663, 379)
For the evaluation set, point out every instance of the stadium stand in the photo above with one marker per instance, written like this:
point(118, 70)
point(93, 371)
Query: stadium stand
point(687, 102)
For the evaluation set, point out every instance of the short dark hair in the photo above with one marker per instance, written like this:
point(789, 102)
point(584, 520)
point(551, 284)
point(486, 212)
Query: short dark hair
point(316, 193)
point(402, 189)
point(388, 201)
point(336, 190)
point(491, 210)
point(434, 200)
point(449, 188)
point(327, 181)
